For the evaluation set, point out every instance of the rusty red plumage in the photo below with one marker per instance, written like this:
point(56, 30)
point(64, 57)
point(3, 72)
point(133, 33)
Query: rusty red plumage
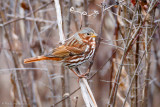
point(75, 51)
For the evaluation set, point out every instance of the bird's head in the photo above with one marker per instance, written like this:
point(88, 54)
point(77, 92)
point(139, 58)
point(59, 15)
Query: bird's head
point(87, 33)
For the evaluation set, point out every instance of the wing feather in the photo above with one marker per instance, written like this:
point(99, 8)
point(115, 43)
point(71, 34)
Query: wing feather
point(66, 51)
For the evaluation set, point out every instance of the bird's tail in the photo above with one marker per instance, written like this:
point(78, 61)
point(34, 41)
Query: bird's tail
point(39, 58)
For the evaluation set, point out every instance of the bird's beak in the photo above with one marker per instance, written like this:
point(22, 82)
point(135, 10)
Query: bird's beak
point(93, 36)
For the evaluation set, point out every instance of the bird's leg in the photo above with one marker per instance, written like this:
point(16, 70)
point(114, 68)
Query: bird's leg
point(79, 76)
point(89, 68)
point(86, 73)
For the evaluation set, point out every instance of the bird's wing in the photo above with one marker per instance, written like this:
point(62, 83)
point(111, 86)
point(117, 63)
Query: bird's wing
point(66, 51)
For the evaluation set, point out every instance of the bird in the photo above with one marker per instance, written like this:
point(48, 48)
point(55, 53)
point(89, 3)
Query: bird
point(75, 51)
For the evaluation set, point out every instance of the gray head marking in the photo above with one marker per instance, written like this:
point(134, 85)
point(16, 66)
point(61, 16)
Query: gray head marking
point(87, 30)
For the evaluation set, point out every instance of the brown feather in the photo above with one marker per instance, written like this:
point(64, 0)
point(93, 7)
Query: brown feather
point(66, 51)
point(39, 58)
point(61, 51)
point(75, 50)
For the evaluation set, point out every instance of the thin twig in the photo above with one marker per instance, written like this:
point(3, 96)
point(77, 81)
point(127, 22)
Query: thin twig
point(36, 27)
point(33, 19)
point(86, 9)
point(66, 97)
point(135, 73)
point(23, 18)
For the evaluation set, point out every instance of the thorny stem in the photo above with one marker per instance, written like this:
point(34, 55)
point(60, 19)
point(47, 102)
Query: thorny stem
point(136, 71)
point(136, 62)
point(117, 78)
point(132, 80)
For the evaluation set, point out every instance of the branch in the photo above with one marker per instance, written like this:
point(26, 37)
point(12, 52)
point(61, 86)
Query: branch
point(87, 93)
point(59, 21)
point(23, 18)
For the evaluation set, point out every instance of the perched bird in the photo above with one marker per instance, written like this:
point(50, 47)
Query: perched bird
point(75, 51)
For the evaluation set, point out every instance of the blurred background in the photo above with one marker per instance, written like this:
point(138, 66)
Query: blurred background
point(129, 47)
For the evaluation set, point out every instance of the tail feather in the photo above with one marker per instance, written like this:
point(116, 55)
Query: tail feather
point(39, 58)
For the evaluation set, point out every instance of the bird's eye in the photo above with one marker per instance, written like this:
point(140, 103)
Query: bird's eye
point(88, 34)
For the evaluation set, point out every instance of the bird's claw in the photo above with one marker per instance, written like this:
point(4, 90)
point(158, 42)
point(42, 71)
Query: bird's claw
point(82, 76)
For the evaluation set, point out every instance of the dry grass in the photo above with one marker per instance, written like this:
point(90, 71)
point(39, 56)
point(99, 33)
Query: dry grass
point(125, 69)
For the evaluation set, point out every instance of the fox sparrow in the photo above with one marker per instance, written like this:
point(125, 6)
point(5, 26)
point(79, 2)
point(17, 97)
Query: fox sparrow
point(75, 51)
